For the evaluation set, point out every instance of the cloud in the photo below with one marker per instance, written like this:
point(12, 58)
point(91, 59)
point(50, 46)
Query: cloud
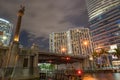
point(43, 17)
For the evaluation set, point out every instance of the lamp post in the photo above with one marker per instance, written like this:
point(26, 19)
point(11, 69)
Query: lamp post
point(63, 50)
point(85, 48)
point(88, 50)
point(85, 43)
point(4, 37)
point(91, 61)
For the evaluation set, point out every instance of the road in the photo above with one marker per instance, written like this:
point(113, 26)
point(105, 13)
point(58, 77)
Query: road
point(102, 76)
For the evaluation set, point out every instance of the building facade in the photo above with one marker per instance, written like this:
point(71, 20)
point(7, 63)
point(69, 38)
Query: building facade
point(104, 19)
point(5, 32)
point(98, 7)
point(73, 42)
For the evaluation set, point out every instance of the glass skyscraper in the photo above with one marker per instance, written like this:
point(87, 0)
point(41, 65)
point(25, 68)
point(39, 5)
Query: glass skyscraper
point(5, 32)
point(73, 42)
point(98, 7)
point(104, 19)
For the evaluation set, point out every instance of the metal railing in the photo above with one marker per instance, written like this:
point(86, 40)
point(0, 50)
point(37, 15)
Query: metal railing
point(59, 75)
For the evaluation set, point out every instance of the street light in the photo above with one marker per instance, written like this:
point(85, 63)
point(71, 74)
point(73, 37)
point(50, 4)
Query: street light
point(90, 58)
point(86, 61)
point(4, 37)
point(91, 61)
point(63, 50)
point(85, 43)
point(88, 51)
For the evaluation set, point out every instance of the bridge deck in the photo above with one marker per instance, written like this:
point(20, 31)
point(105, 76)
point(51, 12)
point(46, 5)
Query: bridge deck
point(54, 58)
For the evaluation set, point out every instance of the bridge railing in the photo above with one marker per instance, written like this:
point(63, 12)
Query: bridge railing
point(59, 75)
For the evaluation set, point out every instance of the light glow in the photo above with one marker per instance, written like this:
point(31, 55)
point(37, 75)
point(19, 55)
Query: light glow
point(4, 20)
point(79, 72)
point(68, 58)
point(16, 39)
point(63, 49)
point(4, 37)
point(85, 43)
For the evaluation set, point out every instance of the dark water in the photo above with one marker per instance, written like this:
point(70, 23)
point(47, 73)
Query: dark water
point(101, 76)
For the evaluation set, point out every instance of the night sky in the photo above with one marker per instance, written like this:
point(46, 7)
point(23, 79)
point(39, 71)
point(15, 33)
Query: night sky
point(43, 17)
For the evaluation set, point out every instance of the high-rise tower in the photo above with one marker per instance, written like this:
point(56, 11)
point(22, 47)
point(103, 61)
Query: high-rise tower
point(73, 42)
point(98, 7)
point(5, 32)
point(104, 19)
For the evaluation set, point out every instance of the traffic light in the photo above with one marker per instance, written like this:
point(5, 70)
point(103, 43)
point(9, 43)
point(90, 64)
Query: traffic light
point(79, 72)
point(67, 58)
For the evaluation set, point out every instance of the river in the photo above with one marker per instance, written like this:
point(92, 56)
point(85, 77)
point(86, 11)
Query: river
point(101, 76)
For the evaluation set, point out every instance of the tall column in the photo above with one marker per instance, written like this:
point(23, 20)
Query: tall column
point(17, 31)
point(13, 53)
point(14, 48)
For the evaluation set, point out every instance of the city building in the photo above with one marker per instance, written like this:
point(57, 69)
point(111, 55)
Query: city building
point(74, 42)
point(104, 19)
point(5, 32)
point(98, 7)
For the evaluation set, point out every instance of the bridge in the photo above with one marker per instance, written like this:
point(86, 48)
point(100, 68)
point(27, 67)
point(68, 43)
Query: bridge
point(25, 66)
point(57, 58)
point(22, 64)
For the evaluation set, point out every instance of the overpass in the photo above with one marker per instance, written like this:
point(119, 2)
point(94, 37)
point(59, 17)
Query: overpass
point(26, 64)
point(57, 58)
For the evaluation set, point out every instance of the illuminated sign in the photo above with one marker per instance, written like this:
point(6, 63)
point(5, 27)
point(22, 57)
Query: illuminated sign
point(112, 47)
point(116, 63)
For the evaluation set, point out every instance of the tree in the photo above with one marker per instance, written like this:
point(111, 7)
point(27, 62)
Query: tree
point(104, 54)
point(94, 54)
point(117, 52)
point(103, 51)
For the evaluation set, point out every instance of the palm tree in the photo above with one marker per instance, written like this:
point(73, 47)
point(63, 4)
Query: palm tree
point(94, 54)
point(117, 52)
point(104, 54)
